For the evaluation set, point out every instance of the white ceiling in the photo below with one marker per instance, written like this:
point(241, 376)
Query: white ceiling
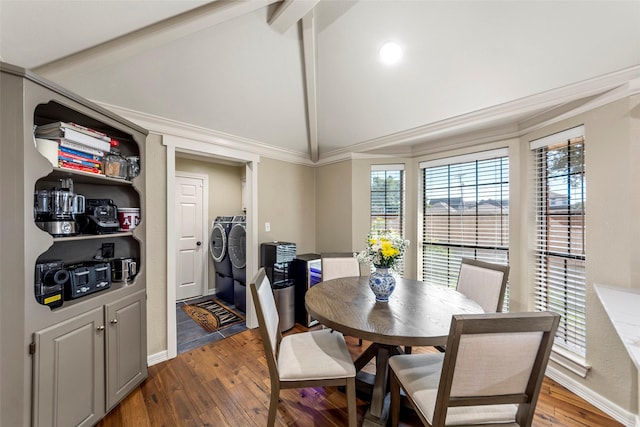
point(315, 88)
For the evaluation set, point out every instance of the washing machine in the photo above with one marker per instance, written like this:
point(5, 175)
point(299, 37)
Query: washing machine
point(219, 249)
point(237, 248)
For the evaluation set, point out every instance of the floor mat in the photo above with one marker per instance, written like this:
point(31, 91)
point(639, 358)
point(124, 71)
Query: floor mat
point(212, 315)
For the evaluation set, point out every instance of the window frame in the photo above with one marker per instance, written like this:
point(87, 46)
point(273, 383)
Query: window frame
point(451, 265)
point(385, 168)
point(571, 339)
point(376, 169)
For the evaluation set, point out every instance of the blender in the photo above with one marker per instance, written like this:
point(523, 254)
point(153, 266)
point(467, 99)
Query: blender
point(55, 209)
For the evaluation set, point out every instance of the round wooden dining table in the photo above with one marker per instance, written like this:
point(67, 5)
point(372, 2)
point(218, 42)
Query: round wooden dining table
point(417, 314)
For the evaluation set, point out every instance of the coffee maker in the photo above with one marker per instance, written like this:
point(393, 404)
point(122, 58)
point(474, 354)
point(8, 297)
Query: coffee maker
point(101, 217)
point(55, 209)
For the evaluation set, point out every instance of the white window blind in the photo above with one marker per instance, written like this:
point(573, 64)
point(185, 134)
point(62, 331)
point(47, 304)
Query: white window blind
point(560, 196)
point(387, 200)
point(465, 214)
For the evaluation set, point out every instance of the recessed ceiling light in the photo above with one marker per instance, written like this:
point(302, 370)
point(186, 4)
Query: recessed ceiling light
point(390, 53)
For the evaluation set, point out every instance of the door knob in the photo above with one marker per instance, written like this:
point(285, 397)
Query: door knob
point(198, 243)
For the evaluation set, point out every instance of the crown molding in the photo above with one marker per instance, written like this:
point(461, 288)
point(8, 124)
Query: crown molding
point(164, 126)
point(509, 112)
point(629, 88)
point(487, 136)
point(505, 121)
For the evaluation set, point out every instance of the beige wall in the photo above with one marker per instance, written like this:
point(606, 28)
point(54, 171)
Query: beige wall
point(287, 201)
point(225, 196)
point(334, 208)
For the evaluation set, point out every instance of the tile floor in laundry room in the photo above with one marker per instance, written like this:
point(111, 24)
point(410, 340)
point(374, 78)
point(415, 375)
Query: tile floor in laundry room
point(190, 335)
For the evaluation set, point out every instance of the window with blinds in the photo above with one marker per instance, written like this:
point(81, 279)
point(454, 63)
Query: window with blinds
point(387, 200)
point(560, 196)
point(465, 214)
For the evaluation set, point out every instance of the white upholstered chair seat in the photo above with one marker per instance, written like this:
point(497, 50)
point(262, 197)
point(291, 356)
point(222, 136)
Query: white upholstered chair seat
point(314, 355)
point(420, 377)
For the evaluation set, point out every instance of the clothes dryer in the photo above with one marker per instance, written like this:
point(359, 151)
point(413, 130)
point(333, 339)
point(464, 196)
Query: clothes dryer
point(237, 247)
point(219, 249)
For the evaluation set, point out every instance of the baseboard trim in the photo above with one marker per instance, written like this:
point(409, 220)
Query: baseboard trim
point(154, 359)
point(613, 410)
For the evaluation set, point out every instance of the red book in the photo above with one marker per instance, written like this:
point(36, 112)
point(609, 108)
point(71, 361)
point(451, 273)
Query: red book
point(86, 161)
point(76, 166)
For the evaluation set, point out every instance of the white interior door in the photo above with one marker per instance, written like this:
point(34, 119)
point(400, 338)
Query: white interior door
point(189, 244)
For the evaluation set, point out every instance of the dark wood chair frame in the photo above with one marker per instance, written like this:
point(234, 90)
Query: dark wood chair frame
point(545, 322)
point(271, 356)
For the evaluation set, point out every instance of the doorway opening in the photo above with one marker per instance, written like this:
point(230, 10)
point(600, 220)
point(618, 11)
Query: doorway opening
point(209, 206)
point(178, 148)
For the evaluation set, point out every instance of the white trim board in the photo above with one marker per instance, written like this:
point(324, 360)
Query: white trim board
point(154, 359)
point(613, 410)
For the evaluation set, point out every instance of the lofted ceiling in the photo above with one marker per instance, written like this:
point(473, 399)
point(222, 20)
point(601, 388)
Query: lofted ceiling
point(302, 77)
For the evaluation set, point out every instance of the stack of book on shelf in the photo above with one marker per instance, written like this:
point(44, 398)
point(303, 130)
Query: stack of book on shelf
point(79, 147)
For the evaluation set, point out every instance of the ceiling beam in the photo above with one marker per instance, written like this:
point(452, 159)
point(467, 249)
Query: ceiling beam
point(289, 12)
point(154, 35)
point(309, 47)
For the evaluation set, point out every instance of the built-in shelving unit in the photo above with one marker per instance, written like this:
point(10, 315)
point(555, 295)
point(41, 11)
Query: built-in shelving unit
point(67, 364)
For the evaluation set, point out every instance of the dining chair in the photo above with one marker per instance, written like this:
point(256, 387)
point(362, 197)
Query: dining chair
point(308, 359)
point(483, 282)
point(336, 265)
point(491, 372)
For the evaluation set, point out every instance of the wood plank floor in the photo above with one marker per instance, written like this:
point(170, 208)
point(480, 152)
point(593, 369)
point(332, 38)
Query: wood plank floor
point(226, 383)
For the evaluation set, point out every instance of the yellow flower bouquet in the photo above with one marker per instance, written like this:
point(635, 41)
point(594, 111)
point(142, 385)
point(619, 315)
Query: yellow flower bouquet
point(384, 249)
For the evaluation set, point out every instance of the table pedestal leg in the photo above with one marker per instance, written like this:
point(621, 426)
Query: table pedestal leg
point(379, 407)
point(380, 383)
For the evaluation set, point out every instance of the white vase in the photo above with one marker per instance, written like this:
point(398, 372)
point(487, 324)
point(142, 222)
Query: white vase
point(382, 283)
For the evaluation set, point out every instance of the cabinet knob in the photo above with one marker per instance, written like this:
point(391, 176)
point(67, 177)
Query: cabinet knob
point(100, 328)
point(198, 243)
point(114, 321)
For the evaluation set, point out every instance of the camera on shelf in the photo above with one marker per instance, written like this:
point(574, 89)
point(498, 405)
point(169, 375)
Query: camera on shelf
point(50, 278)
